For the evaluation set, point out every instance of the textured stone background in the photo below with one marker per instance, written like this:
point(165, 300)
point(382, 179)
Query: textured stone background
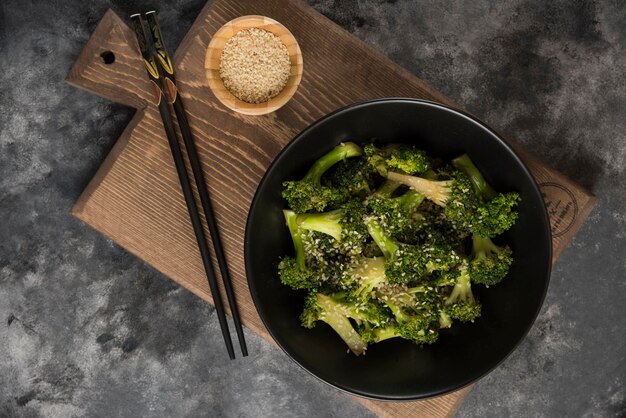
point(88, 330)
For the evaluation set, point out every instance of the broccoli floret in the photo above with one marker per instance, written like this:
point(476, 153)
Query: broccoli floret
point(489, 263)
point(415, 329)
point(345, 225)
point(461, 304)
point(354, 175)
point(444, 278)
point(399, 157)
point(364, 275)
point(445, 320)
point(391, 262)
point(387, 245)
point(296, 276)
point(455, 195)
point(398, 214)
point(416, 314)
point(480, 185)
point(371, 249)
point(319, 247)
point(309, 194)
point(296, 272)
point(496, 212)
point(337, 310)
point(497, 215)
point(407, 263)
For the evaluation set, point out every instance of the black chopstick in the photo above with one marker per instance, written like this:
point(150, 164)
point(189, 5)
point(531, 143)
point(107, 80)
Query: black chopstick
point(154, 73)
point(163, 60)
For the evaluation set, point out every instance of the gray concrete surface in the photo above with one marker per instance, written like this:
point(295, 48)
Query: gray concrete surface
point(88, 330)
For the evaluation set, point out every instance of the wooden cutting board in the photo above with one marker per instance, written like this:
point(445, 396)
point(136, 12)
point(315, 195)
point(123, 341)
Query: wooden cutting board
point(135, 198)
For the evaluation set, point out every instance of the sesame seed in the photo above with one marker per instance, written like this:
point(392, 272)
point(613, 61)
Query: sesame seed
point(255, 65)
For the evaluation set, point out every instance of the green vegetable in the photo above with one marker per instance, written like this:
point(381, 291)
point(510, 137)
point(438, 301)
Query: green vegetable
point(410, 263)
point(455, 195)
point(345, 225)
point(460, 303)
point(416, 314)
point(337, 310)
point(388, 243)
point(399, 215)
point(354, 175)
point(309, 194)
point(489, 263)
point(296, 272)
point(496, 213)
point(397, 157)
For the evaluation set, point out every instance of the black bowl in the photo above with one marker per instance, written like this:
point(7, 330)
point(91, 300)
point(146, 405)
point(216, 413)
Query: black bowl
point(396, 369)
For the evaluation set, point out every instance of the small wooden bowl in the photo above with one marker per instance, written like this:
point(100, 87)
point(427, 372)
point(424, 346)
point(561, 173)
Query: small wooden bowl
point(214, 53)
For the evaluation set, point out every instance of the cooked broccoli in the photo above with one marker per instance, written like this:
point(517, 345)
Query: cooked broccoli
point(309, 194)
point(480, 185)
point(443, 279)
point(296, 272)
point(398, 214)
point(381, 242)
point(337, 310)
point(445, 320)
point(345, 225)
point(416, 314)
point(371, 249)
point(363, 275)
point(497, 215)
point(396, 157)
point(409, 263)
point(354, 175)
point(496, 212)
point(404, 300)
point(455, 195)
point(386, 189)
point(489, 263)
point(415, 329)
point(318, 246)
point(460, 303)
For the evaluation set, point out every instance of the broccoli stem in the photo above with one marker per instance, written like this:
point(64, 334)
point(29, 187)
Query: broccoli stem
point(381, 334)
point(437, 191)
point(482, 246)
point(386, 244)
point(337, 154)
point(395, 300)
point(371, 273)
point(445, 321)
point(396, 309)
point(386, 189)
point(481, 187)
point(462, 290)
point(409, 200)
point(327, 222)
point(341, 324)
point(296, 236)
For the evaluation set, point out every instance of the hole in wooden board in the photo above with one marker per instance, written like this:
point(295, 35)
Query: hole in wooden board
point(108, 57)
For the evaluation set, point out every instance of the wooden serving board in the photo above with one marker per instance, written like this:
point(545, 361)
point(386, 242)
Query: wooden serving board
point(135, 198)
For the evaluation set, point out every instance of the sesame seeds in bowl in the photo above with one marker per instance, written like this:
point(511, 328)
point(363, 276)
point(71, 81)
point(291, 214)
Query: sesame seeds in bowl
point(253, 65)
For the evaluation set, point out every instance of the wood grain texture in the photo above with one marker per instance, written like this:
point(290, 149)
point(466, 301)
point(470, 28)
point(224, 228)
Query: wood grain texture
point(135, 198)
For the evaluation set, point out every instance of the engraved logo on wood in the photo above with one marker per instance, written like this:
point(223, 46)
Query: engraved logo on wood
point(561, 206)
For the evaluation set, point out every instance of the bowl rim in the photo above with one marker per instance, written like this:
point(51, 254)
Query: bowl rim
point(372, 396)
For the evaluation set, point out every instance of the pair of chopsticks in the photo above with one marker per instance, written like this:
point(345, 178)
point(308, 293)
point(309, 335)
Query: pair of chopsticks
point(161, 74)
